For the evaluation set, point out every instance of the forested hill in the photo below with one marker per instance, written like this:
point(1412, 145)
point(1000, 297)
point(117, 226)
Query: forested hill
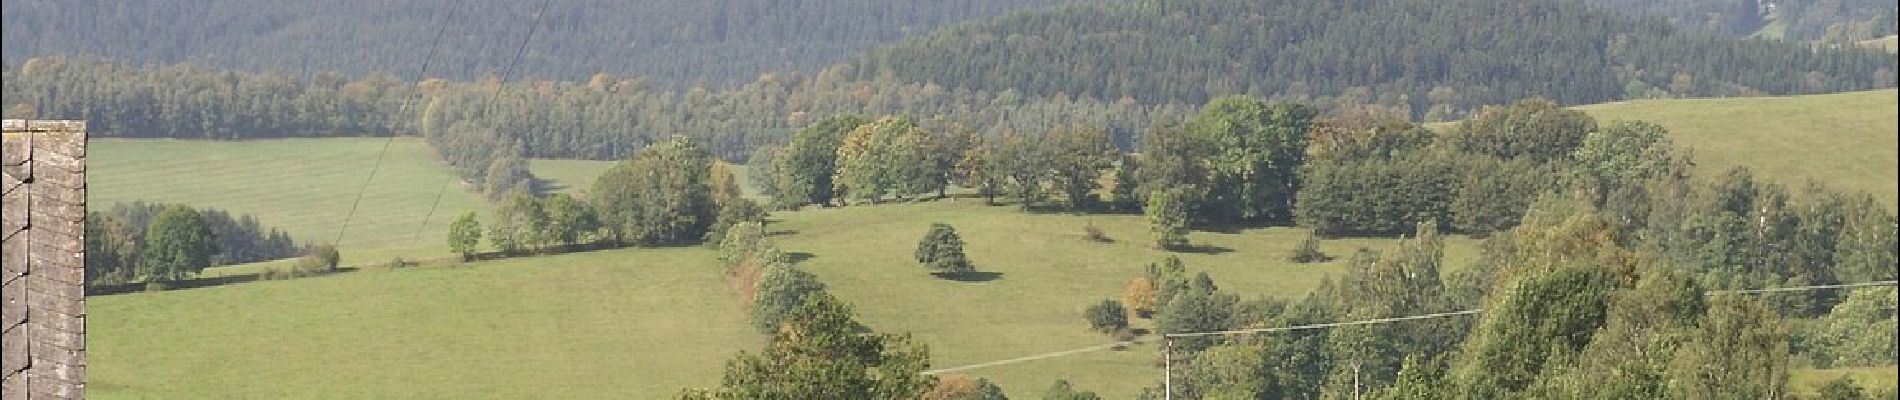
point(670, 41)
point(1798, 20)
point(1419, 53)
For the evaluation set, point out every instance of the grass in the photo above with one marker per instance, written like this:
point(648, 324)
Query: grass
point(1049, 272)
point(613, 324)
point(646, 322)
point(1808, 382)
point(574, 176)
point(1775, 28)
point(303, 186)
point(1890, 43)
point(567, 176)
point(1846, 141)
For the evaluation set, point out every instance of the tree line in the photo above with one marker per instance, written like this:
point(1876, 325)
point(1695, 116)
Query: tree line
point(151, 242)
point(1429, 57)
point(484, 128)
point(672, 193)
point(1599, 240)
point(1829, 21)
point(1243, 161)
point(674, 44)
point(1572, 307)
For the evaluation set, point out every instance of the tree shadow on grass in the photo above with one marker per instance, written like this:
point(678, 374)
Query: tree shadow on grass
point(1201, 249)
point(798, 256)
point(782, 232)
point(970, 277)
point(1235, 227)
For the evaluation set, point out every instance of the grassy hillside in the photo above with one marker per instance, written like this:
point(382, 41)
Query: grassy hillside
point(1846, 141)
point(304, 186)
point(1891, 43)
point(617, 324)
point(609, 324)
point(637, 323)
point(1049, 274)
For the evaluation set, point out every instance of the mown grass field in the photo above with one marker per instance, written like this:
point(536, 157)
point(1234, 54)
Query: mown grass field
point(643, 323)
point(287, 338)
point(1846, 141)
point(1048, 274)
point(303, 186)
point(612, 324)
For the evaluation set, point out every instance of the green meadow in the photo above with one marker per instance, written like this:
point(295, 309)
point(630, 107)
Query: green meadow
point(644, 323)
point(303, 186)
point(1847, 141)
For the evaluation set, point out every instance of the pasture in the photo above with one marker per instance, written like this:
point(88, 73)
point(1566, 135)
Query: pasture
point(1847, 141)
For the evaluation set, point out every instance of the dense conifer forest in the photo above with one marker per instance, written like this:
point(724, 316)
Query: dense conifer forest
point(672, 43)
point(1444, 56)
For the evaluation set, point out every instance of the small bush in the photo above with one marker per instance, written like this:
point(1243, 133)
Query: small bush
point(399, 262)
point(316, 260)
point(1095, 234)
point(1107, 316)
point(273, 274)
point(1140, 296)
point(964, 387)
point(1308, 251)
point(1842, 388)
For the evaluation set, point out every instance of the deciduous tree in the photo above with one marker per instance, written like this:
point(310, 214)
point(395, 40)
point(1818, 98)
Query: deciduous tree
point(1107, 316)
point(570, 219)
point(177, 246)
point(660, 197)
point(1168, 219)
point(780, 289)
point(464, 234)
point(1078, 157)
point(821, 351)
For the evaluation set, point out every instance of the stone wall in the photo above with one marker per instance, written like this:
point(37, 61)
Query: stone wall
point(45, 261)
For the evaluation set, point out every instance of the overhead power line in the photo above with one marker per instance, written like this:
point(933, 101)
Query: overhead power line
point(1804, 288)
point(427, 59)
point(539, 15)
point(1069, 352)
point(1323, 326)
point(1052, 354)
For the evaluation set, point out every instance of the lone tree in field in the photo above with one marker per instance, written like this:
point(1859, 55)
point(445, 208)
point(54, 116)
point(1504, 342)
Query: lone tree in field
point(942, 250)
point(464, 234)
point(178, 246)
point(1168, 219)
point(1308, 251)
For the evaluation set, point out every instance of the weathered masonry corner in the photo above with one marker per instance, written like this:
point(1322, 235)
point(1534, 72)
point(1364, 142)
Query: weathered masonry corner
point(45, 260)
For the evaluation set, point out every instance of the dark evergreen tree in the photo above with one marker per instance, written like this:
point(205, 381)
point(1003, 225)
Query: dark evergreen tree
point(941, 250)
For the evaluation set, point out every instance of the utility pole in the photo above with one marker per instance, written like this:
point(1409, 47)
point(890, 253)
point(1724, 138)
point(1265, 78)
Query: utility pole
point(1167, 369)
point(1355, 382)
